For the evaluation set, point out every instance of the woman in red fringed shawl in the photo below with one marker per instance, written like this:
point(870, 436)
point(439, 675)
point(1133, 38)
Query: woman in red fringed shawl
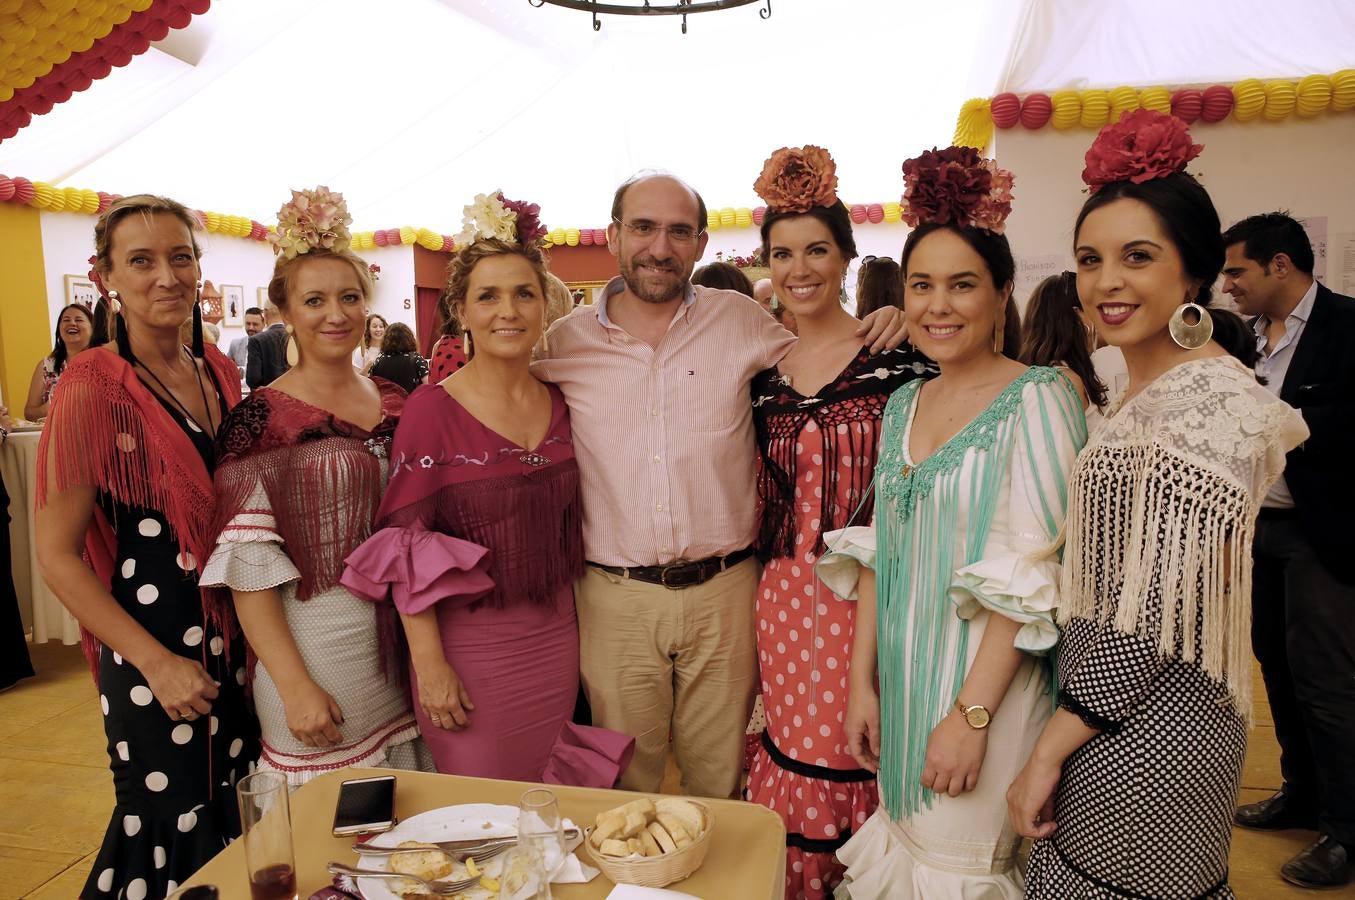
point(302, 474)
point(480, 540)
point(126, 460)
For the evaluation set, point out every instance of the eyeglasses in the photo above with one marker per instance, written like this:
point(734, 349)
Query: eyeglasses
point(678, 234)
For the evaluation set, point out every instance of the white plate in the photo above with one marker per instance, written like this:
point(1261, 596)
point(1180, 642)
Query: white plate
point(450, 823)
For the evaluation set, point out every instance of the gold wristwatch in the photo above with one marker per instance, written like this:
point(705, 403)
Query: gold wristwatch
point(976, 717)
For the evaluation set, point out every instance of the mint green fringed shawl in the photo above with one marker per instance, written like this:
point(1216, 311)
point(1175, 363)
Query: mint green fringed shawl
point(923, 645)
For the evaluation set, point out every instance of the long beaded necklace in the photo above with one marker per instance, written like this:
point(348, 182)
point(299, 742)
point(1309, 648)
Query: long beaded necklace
point(172, 398)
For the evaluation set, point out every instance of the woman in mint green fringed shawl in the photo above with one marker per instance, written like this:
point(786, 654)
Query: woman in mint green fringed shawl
point(971, 488)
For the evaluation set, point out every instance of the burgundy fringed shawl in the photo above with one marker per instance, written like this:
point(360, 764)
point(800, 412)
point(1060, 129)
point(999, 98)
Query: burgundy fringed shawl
point(108, 431)
point(300, 455)
point(451, 474)
point(858, 394)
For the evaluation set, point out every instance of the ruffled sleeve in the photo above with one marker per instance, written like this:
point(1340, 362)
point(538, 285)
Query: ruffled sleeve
point(587, 756)
point(849, 550)
point(415, 568)
point(1018, 576)
point(249, 554)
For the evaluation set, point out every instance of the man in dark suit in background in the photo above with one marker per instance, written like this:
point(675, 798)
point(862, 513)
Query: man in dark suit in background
point(267, 351)
point(1303, 577)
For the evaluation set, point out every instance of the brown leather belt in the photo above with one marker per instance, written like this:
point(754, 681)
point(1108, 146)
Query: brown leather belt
point(680, 574)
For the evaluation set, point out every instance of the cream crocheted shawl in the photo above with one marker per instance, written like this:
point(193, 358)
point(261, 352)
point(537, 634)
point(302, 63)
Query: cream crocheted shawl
point(1163, 510)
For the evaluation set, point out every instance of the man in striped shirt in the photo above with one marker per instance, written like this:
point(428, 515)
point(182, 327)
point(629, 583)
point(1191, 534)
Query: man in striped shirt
point(657, 375)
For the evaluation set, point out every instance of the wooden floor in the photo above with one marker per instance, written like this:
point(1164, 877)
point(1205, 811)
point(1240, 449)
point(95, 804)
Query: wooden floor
point(56, 793)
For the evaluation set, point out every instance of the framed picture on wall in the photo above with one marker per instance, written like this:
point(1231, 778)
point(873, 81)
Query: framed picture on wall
point(80, 289)
point(233, 305)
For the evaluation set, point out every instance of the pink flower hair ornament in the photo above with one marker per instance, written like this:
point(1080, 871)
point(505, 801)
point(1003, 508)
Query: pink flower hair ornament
point(312, 220)
point(796, 179)
point(1143, 145)
point(495, 216)
point(956, 186)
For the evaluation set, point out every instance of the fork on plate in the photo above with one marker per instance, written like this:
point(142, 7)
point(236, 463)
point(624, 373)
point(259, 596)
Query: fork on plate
point(441, 888)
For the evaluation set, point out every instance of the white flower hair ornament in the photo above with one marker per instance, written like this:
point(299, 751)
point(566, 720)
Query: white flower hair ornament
point(495, 216)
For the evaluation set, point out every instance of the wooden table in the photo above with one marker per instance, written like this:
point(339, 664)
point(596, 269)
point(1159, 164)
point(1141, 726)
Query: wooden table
point(747, 858)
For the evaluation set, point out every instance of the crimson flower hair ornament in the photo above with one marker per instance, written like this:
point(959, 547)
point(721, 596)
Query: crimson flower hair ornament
point(796, 179)
point(1143, 145)
point(312, 220)
point(495, 216)
point(956, 186)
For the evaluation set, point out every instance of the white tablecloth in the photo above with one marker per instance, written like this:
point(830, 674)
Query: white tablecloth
point(40, 608)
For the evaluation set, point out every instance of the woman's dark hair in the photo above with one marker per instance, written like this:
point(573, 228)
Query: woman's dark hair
point(59, 352)
point(881, 285)
point(835, 217)
point(1011, 330)
point(723, 276)
point(993, 248)
point(1187, 214)
point(398, 339)
point(446, 323)
point(1054, 333)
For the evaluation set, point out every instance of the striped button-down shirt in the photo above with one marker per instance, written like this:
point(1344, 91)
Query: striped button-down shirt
point(664, 437)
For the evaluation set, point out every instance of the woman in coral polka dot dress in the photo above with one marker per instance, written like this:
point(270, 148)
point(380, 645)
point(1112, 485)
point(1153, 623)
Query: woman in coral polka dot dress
point(818, 418)
point(125, 477)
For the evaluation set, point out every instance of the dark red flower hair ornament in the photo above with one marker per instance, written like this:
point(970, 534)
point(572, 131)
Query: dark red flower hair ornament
point(1145, 144)
point(956, 186)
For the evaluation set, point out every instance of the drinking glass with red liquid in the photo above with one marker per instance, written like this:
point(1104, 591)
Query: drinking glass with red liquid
point(266, 822)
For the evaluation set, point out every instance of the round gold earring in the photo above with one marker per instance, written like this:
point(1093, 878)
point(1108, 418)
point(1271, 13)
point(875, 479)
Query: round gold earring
point(1190, 335)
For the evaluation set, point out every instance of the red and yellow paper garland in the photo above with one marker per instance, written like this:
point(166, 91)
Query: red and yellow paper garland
point(1247, 100)
point(51, 49)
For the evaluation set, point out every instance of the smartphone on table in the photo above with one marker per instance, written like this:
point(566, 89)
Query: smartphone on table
point(365, 806)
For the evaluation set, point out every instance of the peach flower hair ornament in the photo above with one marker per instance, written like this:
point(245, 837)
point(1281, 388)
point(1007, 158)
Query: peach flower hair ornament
point(796, 179)
point(1143, 145)
point(495, 216)
point(312, 220)
point(956, 186)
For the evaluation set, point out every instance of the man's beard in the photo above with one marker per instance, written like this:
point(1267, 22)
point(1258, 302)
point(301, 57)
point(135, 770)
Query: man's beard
point(652, 293)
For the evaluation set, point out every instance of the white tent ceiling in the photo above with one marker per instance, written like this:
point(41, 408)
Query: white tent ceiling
point(410, 107)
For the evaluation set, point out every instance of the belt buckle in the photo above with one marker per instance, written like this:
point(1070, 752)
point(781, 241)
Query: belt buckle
point(663, 574)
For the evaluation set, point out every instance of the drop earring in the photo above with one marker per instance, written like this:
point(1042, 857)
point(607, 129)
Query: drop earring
point(293, 354)
point(1190, 335)
point(466, 345)
point(114, 303)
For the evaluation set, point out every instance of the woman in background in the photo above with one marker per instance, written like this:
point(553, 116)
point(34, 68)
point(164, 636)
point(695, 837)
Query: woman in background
point(879, 284)
point(370, 347)
point(74, 332)
point(1056, 334)
point(723, 276)
point(400, 361)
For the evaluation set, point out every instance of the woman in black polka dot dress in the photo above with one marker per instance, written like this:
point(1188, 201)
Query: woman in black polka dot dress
point(126, 463)
point(1130, 788)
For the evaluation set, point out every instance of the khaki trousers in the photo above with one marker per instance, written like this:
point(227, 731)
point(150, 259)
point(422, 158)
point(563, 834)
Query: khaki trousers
point(655, 662)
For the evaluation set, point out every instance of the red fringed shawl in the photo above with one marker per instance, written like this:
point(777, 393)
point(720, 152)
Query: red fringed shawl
point(322, 476)
point(451, 474)
point(108, 431)
point(858, 394)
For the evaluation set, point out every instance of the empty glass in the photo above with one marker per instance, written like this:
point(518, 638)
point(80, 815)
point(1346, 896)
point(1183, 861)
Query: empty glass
point(266, 823)
point(539, 826)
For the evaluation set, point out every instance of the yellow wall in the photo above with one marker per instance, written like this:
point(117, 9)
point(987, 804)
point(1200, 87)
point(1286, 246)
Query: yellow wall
point(25, 333)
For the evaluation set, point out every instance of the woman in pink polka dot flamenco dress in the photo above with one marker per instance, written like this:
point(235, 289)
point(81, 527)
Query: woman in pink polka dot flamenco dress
point(817, 415)
point(125, 478)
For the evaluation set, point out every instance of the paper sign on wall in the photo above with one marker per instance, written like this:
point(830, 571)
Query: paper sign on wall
point(1316, 227)
point(1031, 270)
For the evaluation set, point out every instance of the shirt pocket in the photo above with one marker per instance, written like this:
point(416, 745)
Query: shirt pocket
point(707, 402)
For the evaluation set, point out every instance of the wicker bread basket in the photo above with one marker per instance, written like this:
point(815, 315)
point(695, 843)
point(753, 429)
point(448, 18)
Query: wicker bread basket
point(657, 871)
